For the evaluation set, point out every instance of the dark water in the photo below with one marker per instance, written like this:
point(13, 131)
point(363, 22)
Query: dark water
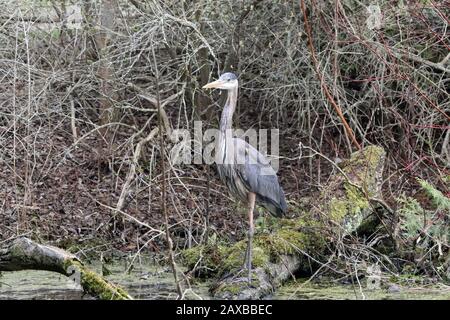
point(145, 282)
point(153, 282)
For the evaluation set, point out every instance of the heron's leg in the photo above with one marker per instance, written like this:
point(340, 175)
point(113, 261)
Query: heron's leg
point(251, 207)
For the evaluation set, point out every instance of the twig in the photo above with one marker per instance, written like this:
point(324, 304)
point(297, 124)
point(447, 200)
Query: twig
point(132, 171)
point(126, 215)
point(72, 120)
point(163, 187)
point(154, 100)
point(411, 56)
point(322, 80)
point(191, 25)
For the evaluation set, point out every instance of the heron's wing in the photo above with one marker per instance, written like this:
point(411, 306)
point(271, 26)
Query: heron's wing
point(256, 173)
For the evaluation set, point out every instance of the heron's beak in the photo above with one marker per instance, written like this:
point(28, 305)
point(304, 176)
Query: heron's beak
point(214, 84)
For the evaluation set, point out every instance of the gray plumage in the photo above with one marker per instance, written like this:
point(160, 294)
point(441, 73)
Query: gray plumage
point(245, 171)
point(241, 167)
point(253, 174)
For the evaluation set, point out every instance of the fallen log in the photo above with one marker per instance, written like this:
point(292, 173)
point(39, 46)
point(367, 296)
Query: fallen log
point(23, 254)
point(344, 206)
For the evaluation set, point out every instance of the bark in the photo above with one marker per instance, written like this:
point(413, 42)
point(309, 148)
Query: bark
point(22, 254)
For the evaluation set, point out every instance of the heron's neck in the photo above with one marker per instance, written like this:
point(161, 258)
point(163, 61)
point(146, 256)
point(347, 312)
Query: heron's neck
point(228, 110)
point(226, 121)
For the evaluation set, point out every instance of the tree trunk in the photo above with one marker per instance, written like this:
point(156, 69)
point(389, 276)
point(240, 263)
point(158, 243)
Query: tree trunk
point(22, 254)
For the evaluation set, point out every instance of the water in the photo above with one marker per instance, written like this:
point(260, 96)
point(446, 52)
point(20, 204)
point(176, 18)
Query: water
point(143, 282)
point(349, 292)
point(148, 281)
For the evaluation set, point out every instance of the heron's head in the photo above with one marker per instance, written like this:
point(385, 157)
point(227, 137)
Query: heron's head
point(227, 81)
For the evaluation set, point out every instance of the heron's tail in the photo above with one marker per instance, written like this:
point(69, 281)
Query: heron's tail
point(282, 208)
point(278, 208)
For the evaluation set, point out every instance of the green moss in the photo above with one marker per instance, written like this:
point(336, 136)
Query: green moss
point(191, 256)
point(348, 209)
point(234, 288)
point(296, 223)
point(283, 241)
point(287, 237)
point(349, 205)
point(235, 257)
point(209, 256)
point(338, 209)
point(366, 159)
point(363, 168)
point(356, 199)
point(408, 279)
point(290, 236)
point(95, 285)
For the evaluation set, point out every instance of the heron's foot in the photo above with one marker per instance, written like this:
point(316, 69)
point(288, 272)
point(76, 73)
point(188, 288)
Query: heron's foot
point(238, 277)
point(248, 257)
point(246, 271)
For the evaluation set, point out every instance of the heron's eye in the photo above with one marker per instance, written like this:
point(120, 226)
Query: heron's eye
point(228, 80)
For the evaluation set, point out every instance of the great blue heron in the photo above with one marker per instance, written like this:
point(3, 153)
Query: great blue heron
point(245, 171)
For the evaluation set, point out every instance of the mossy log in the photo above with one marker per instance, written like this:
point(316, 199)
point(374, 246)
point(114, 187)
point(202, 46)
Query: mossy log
point(22, 254)
point(343, 206)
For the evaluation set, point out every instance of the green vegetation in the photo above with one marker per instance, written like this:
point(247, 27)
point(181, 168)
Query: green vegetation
point(95, 285)
point(427, 230)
